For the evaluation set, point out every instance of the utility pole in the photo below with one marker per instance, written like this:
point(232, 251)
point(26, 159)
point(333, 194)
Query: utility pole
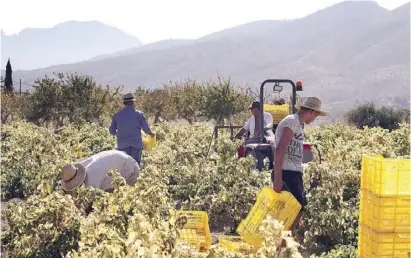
point(20, 86)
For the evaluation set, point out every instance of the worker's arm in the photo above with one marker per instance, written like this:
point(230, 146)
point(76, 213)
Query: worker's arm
point(144, 125)
point(113, 127)
point(279, 158)
point(243, 130)
point(268, 119)
point(240, 133)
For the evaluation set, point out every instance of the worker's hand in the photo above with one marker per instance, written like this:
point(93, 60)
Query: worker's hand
point(152, 134)
point(278, 186)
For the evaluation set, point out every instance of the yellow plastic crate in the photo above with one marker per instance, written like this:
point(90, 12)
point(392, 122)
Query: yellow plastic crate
point(236, 244)
point(196, 232)
point(386, 177)
point(385, 214)
point(387, 245)
point(148, 141)
point(279, 112)
point(282, 207)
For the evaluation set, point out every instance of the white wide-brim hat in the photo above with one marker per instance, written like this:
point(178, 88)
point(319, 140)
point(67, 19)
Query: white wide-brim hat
point(72, 176)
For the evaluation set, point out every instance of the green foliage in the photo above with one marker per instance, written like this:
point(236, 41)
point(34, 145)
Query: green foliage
point(371, 116)
point(342, 251)
point(220, 101)
point(30, 154)
point(72, 99)
point(134, 220)
point(45, 225)
point(184, 97)
point(11, 107)
point(192, 101)
point(8, 80)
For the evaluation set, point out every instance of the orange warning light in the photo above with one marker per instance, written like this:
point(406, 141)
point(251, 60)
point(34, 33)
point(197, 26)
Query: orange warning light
point(299, 86)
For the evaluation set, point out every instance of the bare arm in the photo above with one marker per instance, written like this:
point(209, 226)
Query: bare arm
point(239, 133)
point(243, 130)
point(279, 158)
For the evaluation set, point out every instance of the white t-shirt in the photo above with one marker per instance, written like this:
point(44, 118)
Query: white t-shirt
point(98, 166)
point(293, 157)
point(250, 124)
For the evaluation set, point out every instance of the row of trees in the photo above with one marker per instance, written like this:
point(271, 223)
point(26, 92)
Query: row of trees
point(65, 99)
point(219, 101)
point(73, 98)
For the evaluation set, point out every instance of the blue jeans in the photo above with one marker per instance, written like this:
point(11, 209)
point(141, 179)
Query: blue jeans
point(134, 153)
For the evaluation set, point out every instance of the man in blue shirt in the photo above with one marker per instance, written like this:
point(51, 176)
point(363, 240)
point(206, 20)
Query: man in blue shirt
point(127, 125)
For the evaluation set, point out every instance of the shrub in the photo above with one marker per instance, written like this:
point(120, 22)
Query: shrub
point(371, 116)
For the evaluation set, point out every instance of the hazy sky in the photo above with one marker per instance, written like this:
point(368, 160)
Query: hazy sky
point(153, 20)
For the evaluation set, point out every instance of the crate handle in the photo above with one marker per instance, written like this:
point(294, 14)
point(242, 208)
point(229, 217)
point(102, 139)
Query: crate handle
point(404, 235)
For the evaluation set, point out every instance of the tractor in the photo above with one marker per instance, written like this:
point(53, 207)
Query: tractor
point(263, 147)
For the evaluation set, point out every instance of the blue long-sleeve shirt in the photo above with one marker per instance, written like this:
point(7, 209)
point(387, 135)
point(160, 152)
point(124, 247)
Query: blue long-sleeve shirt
point(127, 125)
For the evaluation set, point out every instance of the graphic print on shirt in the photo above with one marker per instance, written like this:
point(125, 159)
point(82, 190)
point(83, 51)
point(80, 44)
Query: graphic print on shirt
point(295, 147)
point(294, 151)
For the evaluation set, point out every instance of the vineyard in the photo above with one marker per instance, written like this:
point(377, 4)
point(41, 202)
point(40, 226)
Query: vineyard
point(42, 221)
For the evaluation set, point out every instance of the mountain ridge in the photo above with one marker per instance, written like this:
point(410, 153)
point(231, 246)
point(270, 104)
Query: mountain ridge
point(61, 44)
point(342, 59)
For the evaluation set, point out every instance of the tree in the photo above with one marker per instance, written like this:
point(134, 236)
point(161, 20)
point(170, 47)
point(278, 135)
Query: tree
point(220, 101)
point(73, 99)
point(184, 97)
point(8, 81)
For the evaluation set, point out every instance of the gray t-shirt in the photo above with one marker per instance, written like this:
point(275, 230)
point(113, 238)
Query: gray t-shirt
point(293, 157)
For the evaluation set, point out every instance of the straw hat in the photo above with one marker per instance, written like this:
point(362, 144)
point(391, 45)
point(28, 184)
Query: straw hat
point(128, 97)
point(313, 103)
point(72, 176)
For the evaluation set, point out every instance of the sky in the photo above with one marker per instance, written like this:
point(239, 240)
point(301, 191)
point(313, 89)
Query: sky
point(154, 20)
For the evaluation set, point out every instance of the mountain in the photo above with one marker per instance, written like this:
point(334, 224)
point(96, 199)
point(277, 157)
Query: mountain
point(65, 43)
point(345, 54)
point(160, 45)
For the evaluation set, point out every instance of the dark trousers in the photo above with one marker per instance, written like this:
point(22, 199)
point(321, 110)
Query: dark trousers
point(134, 153)
point(293, 183)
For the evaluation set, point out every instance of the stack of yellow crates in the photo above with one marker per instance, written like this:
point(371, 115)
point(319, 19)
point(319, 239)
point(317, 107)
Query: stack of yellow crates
point(279, 112)
point(384, 207)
